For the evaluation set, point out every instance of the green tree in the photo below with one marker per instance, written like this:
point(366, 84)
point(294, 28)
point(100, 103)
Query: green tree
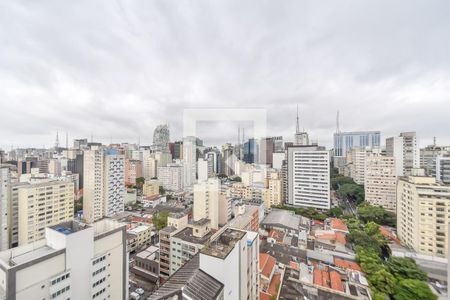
point(335, 212)
point(379, 296)
point(160, 220)
point(405, 268)
point(351, 191)
point(237, 179)
point(383, 281)
point(377, 214)
point(413, 289)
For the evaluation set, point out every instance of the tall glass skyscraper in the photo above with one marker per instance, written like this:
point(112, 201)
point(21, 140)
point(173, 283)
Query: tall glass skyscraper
point(345, 141)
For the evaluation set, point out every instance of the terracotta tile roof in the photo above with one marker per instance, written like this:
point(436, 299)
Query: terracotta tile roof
point(345, 264)
point(325, 279)
point(277, 235)
point(266, 264)
point(336, 281)
point(264, 296)
point(294, 265)
point(340, 238)
point(338, 224)
point(389, 235)
point(276, 279)
point(317, 277)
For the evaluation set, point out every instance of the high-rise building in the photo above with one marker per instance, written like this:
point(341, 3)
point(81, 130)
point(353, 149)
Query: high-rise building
point(93, 207)
point(443, 169)
point(5, 200)
point(203, 170)
point(189, 160)
point(233, 259)
point(250, 150)
point(272, 195)
point(308, 176)
point(428, 156)
point(423, 207)
point(43, 204)
point(356, 162)
point(80, 144)
point(380, 183)
point(133, 171)
point(206, 201)
point(177, 150)
point(72, 261)
point(266, 150)
point(406, 152)
point(228, 159)
point(161, 137)
point(345, 141)
point(114, 183)
point(149, 166)
point(171, 177)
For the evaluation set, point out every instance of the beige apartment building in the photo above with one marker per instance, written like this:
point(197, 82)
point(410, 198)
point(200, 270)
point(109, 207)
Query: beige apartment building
point(93, 207)
point(423, 211)
point(42, 205)
point(272, 195)
point(151, 188)
point(380, 183)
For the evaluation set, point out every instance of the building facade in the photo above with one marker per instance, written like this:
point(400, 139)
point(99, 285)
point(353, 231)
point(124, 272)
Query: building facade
point(423, 211)
point(380, 185)
point(308, 176)
point(73, 261)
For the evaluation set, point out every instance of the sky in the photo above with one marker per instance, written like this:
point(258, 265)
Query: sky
point(114, 70)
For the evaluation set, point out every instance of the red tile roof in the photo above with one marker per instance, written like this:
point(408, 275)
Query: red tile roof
point(275, 284)
point(317, 277)
point(325, 279)
point(336, 281)
point(294, 265)
point(277, 235)
point(345, 264)
point(266, 264)
point(264, 296)
point(340, 238)
point(338, 224)
point(389, 235)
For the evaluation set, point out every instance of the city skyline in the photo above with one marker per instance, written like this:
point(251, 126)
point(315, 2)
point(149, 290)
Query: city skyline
point(118, 74)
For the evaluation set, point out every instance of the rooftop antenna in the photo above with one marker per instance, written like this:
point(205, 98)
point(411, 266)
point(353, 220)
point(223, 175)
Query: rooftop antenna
point(297, 129)
point(57, 140)
point(434, 141)
point(92, 137)
point(243, 135)
point(67, 140)
point(239, 135)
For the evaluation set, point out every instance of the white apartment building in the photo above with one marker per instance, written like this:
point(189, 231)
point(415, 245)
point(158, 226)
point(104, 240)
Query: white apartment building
point(405, 150)
point(93, 193)
point(114, 184)
point(5, 200)
point(73, 261)
point(203, 169)
point(356, 158)
point(171, 177)
point(189, 160)
point(308, 176)
point(380, 185)
point(232, 258)
point(423, 211)
point(41, 205)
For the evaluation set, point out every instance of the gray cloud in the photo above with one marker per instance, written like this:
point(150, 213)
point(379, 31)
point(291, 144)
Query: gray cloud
point(117, 69)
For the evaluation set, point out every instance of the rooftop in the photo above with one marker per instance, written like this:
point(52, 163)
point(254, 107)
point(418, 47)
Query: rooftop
point(286, 219)
point(187, 235)
point(189, 282)
point(224, 243)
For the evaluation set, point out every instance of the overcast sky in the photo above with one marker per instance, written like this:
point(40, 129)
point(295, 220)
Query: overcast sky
point(117, 69)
